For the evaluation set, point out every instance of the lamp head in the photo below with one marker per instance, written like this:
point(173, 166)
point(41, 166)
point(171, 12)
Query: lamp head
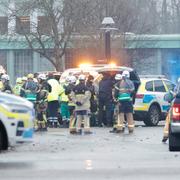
point(108, 21)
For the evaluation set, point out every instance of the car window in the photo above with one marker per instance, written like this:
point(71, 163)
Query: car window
point(135, 78)
point(149, 86)
point(170, 85)
point(159, 86)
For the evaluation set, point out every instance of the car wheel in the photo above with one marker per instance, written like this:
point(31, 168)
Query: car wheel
point(1, 143)
point(174, 141)
point(3, 140)
point(153, 116)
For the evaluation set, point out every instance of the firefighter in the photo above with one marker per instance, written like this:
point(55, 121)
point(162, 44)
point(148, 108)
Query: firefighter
point(71, 105)
point(41, 103)
point(6, 85)
point(118, 78)
point(81, 97)
point(93, 99)
point(123, 93)
point(18, 86)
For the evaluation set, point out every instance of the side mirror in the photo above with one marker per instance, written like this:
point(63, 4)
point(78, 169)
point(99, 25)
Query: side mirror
point(168, 97)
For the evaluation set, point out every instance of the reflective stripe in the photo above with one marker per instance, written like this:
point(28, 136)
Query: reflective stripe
point(145, 107)
point(120, 126)
point(124, 97)
point(13, 115)
point(131, 126)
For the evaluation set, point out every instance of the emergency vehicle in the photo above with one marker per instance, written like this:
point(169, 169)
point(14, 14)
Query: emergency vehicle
point(16, 120)
point(150, 105)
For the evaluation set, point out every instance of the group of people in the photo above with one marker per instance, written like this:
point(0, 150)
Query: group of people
point(115, 98)
point(80, 101)
point(77, 100)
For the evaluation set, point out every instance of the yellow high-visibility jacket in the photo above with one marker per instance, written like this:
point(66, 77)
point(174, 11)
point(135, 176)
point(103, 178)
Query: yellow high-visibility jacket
point(56, 90)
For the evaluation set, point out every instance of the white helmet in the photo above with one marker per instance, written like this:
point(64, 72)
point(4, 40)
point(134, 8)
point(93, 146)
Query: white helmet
point(5, 77)
point(178, 80)
point(19, 80)
point(24, 78)
point(118, 77)
point(42, 76)
point(126, 74)
point(72, 79)
point(35, 80)
point(68, 79)
point(82, 77)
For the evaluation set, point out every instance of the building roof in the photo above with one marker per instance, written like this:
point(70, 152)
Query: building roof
point(152, 41)
point(132, 41)
point(19, 42)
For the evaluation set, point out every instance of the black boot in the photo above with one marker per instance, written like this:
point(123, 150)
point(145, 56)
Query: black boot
point(55, 125)
point(164, 139)
point(50, 124)
point(114, 130)
point(65, 124)
point(79, 132)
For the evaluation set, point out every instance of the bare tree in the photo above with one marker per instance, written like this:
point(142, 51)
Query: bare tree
point(68, 19)
point(51, 37)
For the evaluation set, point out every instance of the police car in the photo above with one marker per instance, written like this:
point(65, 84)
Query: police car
point(150, 105)
point(16, 120)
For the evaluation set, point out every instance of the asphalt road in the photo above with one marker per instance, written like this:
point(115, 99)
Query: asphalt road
point(59, 155)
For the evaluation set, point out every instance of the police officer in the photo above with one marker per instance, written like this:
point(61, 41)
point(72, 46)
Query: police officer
point(105, 100)
point(81, 97)
point(123, 93)
point(118, 78)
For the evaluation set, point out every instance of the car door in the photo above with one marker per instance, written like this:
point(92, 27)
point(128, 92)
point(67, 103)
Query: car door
point(160, 92)
point(169, 85)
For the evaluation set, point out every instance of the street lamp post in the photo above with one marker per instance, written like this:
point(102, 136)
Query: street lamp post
point(107, 23)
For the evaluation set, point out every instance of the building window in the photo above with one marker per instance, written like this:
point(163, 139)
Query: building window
point(3, 25)
point(23, 62)
point(23, 25)
point(44, 25)
point(3, 59)
point(69, 58)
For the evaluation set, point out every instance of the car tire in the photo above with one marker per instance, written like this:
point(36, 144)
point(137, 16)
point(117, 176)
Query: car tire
point(174, 141)
point(3, 140)
point(153, 116)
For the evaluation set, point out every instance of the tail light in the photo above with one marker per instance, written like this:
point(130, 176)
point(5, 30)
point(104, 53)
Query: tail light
point(176, 112)
point(139, 96)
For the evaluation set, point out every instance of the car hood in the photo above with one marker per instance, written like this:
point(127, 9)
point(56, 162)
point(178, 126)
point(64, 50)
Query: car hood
point(12, 99)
